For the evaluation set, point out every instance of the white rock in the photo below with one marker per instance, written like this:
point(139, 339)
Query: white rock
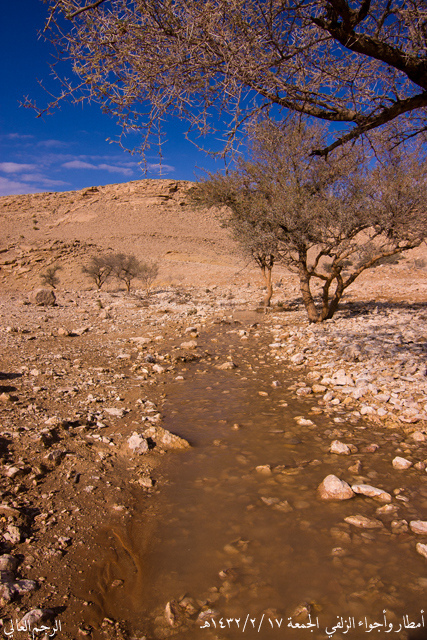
point(113, 411)
point(332, 488)
point(362, 522)
point(137, 443)
point(263, 469)
point(191, 344)
point(342, 449)
point(418, 436)
point(157, 368)
point(226, 366)
point(422, 549)
point(298, 358)
point(418, 526)
point(371, 492)
point(401, 463)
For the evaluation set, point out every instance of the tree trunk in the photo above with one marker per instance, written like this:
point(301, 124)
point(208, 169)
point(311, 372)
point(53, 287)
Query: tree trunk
point(336, 298)
point(266, 272)
point(307, 298)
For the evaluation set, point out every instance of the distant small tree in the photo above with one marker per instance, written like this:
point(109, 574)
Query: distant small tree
point(330, 219)
point(126, 268)
point(99, 269)
point(49, 277)
point(148, 274)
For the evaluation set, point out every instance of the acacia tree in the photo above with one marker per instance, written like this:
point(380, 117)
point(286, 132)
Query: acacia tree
point(331, 219)
point(358, 62)
point(126, 268)
point(99, 269)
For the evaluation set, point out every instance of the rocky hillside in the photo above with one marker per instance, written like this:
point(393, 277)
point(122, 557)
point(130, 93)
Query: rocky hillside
point(151, 218)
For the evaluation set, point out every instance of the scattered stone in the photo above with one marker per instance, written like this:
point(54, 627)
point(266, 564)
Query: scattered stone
point(356, 467)
point(263, 469)
point(165, 439)
point(298, 358)
point(418, 526)
point(401, 463)
point(137, 443)
point(35, 617)
point(362, 522)
point(191, 344)
point(399, 526)
point(332, 488)
point(371, 492)
point(226, 366)
point(422, 549)
point(342, 449)
point(117, 413)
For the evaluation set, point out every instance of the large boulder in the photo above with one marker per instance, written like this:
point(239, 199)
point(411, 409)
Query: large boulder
point(42, 297)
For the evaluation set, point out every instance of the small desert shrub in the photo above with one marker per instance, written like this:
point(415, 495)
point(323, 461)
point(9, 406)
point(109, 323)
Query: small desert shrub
point(49, 277)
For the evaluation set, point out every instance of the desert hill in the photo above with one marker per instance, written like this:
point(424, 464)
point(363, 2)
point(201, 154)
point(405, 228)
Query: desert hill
point(151, 218)
point(154, 220)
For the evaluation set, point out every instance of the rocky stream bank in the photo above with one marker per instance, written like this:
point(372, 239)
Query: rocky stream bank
point(86, 421)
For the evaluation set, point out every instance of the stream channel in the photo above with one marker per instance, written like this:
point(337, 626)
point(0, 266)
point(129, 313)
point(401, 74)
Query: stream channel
point(256, 550)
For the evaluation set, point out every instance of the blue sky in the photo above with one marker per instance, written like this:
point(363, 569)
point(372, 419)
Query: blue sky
point(68, 149)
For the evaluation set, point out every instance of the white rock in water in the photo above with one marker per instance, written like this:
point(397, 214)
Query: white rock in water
point(422, 549)
point(165, 439)
point(332, 488)
point(362, 522)
point(371, 492)
point(263, 469)
point(401, 463)
point(226, 366)
point(418, 436)
point(418, 526)
point(137, 443)
point(342, 449)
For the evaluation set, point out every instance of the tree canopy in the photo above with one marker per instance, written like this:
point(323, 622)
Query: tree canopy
point(359, 63)
point(326, 219)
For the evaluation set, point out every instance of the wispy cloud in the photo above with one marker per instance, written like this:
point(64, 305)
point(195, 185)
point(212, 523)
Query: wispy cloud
point(16, 167)
point(14, 187)
point(81, 164)
point(78, 164)
point(17, 136)
point(159, 168)
point(52, 144)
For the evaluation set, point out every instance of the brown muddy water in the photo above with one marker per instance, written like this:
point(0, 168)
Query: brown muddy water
point(257, 551)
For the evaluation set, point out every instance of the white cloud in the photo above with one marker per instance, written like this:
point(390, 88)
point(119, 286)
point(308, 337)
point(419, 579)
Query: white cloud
point(159, 168)
point(18, 136)
point(49, 144)
point(15, 167)
point(78, 164)
point(115, 169)
point(13, 187)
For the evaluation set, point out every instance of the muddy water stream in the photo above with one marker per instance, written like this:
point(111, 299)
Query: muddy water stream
point(256, 548)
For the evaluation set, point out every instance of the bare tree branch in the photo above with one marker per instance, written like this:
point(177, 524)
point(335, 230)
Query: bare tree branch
point(363, 62)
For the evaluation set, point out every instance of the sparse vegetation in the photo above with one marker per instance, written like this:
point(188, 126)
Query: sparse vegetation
point(124, 267)
point(49, 277)
point(148, 274)
point(99, 269)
